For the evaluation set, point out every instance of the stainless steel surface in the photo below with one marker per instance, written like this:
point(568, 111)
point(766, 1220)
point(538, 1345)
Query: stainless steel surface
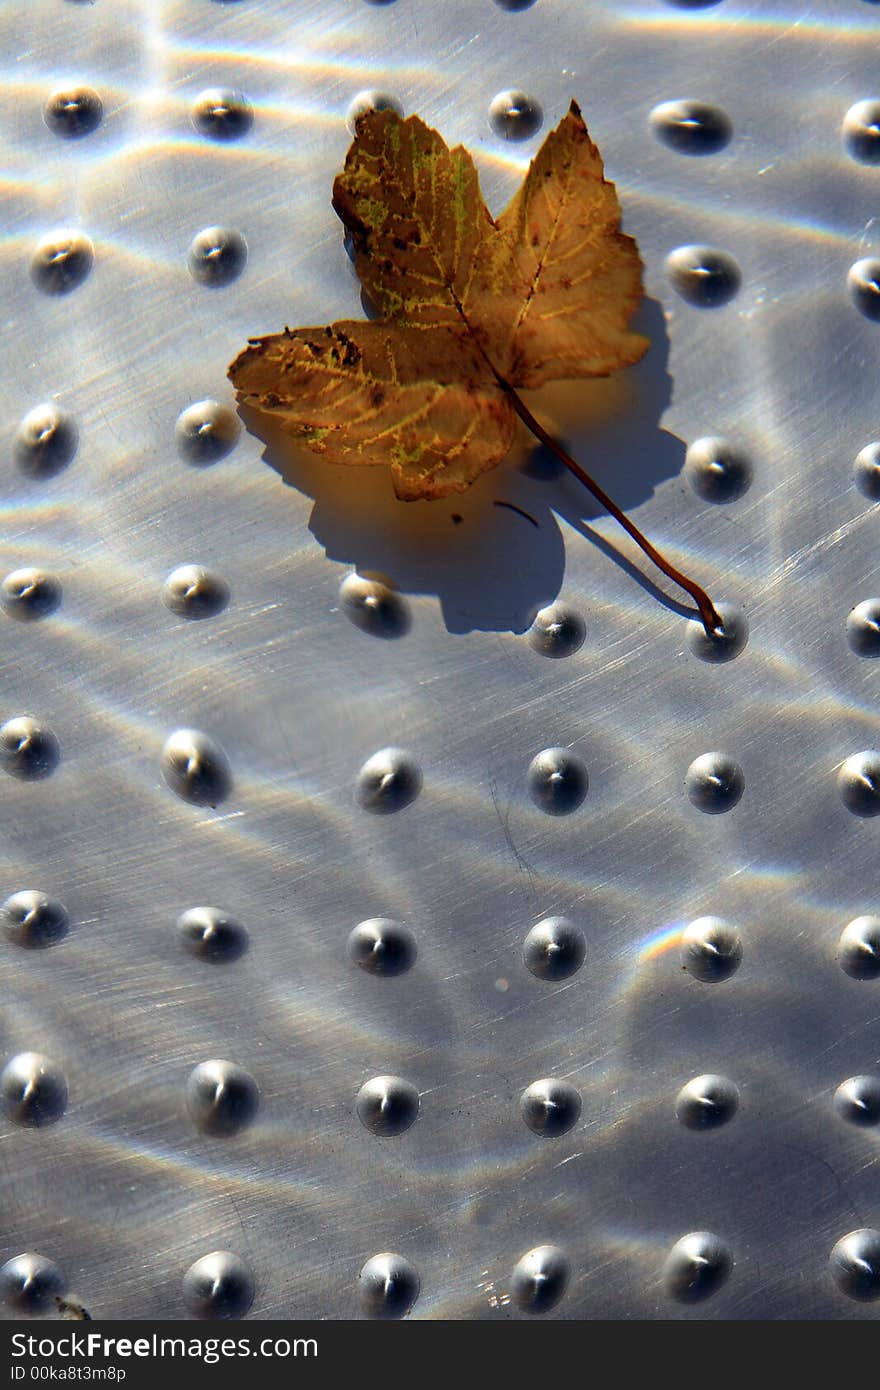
point(167, 194)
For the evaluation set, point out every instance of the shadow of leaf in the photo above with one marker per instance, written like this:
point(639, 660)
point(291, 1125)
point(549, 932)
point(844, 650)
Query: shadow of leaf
point(491, 567)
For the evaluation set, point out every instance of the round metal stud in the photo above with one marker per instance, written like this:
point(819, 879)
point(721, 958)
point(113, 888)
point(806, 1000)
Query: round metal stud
point(212, 935)
point(858, 783)
point(859, 948)
point(514, 115)
point(72, 112)
point(706, 1102)
point(557, 781)
point(863, 283)
point(33, 920)
point(558, 631)
point(696, 1267)
point(217, 256)
point(30, 1283)
point(191, 591)
point(691, 127)
point(711, 949)
point(714, 783)
point(540, 1278)
point(33, 1089)
point(554, 949)
point(724, 643)
point(861, 132)
point(219, 1285)
point(29, 594)
point(382, 947)
point(371, 99)
point(717, 469)
point(387, 1105)
point(46, 441)
point(28, 750)
point(863, 628)
point(855, 1264)
point(388, 781)
point(206, 431)
point(388, 1286)
point(61, 261)
point(222, 113)
point(196, 768)
point(866, 471)
point(550, 1107)
point(222, 1098)
point(703, 275)
point(858, 1100)
point(374, 607)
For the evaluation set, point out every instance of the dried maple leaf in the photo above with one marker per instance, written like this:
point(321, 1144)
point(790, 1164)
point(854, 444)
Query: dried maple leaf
point(470, 309)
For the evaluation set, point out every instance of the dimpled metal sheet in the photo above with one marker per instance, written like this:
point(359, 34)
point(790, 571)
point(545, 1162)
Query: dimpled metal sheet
point(407, 910)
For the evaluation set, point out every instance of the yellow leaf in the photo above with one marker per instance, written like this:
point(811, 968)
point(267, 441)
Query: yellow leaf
point(419, 399)
point(469, 307)
point(470, 310)
point(578, 278)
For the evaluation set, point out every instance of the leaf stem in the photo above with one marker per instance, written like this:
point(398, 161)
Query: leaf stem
point(708, 612)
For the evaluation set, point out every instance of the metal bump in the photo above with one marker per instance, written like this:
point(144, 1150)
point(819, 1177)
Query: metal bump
point(29, 1283)
point(372, 99)
point(222, 1098)
point(387, 1105)
point(557, 781)
point(191, 591)
point(61, 261)
point(222, 113)
point(217, 256)
point(388, 781)
point(550, 1107)
point(859, 948)
point(711, 949)
point(706, 1102)
point(33, 920)
point(863, 283)
point(858, 783)
point(28, 750)
point(212, 935)
point(196, 768)
point(857, 1100)
point(540, 1278)
point(866, 471)
point(863, 628)
point(855, 1264)
point(382, 947)
point(861, 131)
point(691, 127)
point(557, 631)
point(33, 1089)
point(72, 112)
point(718, 470)
point(714, 783)
point(703, 275)
point(374, 607)
point(388, 1286)
point(45, 442)
point(219, 1285)
point(554, 949)
point(724, 643)
point(515, 115)
point(696, 1267)
point(30, 594)
point(206, 431)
